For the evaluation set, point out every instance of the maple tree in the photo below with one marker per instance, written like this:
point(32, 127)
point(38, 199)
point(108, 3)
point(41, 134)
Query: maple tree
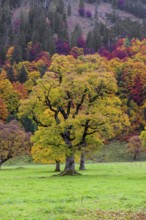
point(62, 47)
point(76, 51)
point(137, 92)
point(20, 89)
point(143, 137)
point(135, 146)
point(8, 95)
point(76, 103)
point(131, 78)
point(44, 153)
point(14, 141)
point(48, 155)
point(10, 53)
point(3, 110)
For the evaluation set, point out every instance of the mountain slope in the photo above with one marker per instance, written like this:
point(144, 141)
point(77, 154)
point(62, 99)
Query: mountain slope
point(104, 13)
point(48, 21)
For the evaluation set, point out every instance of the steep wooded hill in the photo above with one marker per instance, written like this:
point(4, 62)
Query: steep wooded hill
point(58, 25)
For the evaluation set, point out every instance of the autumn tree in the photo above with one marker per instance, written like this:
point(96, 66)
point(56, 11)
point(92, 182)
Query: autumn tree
point(55, 152)
point(131, 79)
point(76, 102)
point(3, 110)
point(20, 89)
point(8, 95)
point(44, 153)
point(10, 53)
point(14, 141)
point(143, 138)
point(135, 146)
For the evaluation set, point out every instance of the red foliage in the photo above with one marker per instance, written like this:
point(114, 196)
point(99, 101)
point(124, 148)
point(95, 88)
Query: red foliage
point(119, 53)
point(137, 91)
point(120, 42)
point(44, 56)
point(62, 47)
point(106, 53)
point(81, 42)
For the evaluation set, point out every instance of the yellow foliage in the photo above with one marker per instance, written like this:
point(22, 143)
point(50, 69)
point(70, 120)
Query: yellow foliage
point(10, 53)
point(76, 97)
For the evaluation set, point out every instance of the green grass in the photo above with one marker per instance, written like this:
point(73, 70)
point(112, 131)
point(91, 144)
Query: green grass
point(104, 191)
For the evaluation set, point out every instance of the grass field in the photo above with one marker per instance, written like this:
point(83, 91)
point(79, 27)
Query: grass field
point(104, 191)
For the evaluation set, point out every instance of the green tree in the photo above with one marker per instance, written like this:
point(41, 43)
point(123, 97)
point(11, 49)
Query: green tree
point(69, 9)
point(44, 153)
point(81, 4)
point(77, 32)
point(76, 102)
point(89, 40)
point(23, 73)
point(96, 37)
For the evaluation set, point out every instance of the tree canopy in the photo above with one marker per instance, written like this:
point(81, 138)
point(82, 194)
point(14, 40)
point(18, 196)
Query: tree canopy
point(14, 141)
point(75, 103)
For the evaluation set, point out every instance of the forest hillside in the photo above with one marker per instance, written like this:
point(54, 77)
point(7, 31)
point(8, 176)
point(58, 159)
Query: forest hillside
point(61, 24)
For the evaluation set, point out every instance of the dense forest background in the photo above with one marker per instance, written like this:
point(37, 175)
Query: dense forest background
point(111, 34)
point(59, 25)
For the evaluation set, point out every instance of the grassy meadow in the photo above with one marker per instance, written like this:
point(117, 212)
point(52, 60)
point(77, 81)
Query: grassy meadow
point(104, 191)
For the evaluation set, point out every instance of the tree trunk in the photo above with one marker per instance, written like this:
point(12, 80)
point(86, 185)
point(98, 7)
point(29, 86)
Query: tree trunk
point(57, 169)
point(1, 162)
point(82, 162)
point(69, 166)
point(134, 158)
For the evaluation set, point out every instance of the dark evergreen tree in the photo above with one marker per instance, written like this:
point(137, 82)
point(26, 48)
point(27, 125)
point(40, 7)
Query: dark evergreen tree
point(77, 32)
point(23, 74)
point(69, 11)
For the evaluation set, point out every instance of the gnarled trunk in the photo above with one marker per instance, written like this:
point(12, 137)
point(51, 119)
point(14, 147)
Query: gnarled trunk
point(70, 162)
point(69, 166)
point(82, 162)
point(57, 168)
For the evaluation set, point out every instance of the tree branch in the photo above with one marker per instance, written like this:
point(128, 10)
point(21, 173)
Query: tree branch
point(65, 116)
point(83, 139)
point(69, 103)
point(38, 122)
point(80, 104)
point(48, 103)
point(89, 133)
point(98, 93)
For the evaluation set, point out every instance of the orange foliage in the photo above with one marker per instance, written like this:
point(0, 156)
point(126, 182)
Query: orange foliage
point(21, 90)
point(3, 110)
